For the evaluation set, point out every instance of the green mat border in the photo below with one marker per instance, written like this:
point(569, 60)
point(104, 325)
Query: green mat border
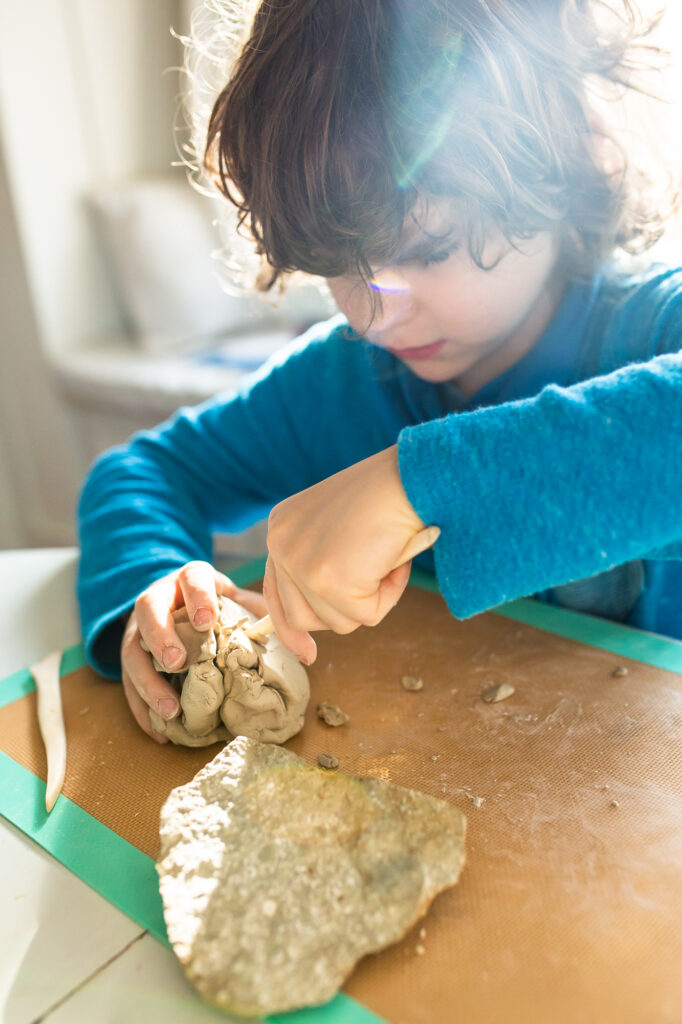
point(109, 864)
point(127, 878)
point(649, 648)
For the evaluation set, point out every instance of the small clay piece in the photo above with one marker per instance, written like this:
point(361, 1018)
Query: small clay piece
point(498, 692)
point(331, 714)
point(412, 683)
point(619, 671)
point(327, 761)
point(477, 801)
point(233, 686)
point(277, 877)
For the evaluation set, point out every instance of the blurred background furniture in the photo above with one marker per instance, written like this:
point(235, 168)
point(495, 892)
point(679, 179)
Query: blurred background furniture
point(113, 314)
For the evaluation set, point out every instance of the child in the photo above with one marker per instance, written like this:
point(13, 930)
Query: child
point(443, 166)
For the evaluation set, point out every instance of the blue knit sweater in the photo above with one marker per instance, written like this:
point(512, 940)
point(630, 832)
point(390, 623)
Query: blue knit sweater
point(565, 468)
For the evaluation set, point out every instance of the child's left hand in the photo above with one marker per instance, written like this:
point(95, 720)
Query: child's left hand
point(332, 549)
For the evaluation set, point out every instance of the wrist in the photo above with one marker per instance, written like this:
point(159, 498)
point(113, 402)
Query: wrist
point(390, 468)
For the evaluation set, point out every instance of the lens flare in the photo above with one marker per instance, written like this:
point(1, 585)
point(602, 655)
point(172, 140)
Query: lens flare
point(435, 91)
point(389, 283)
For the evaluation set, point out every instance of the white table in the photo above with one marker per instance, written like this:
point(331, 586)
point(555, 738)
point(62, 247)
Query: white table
point(67, 954)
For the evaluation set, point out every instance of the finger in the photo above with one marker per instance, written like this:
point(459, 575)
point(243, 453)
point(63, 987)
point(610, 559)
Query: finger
point(392, 588)
point(299, 642)
point(154, 619)
point(322, 612)
point(155, 691)
point(140, 710)
point(197, 582)
point(252, 600)
point(298, 612)
point(348, 611)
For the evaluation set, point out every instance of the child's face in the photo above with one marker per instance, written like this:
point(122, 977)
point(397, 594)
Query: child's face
point(450, 320)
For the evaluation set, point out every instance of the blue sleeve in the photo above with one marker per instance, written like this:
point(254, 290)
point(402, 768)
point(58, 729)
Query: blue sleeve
point(152, 505)
point(559, 487)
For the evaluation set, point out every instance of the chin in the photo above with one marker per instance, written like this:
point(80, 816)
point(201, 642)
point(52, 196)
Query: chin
point(437, 373)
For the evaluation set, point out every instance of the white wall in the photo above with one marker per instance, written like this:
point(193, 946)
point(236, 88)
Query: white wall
point(39, 471)
point(84, 97)
point(9, 511)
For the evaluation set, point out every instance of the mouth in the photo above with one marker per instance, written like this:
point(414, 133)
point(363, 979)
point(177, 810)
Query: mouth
point(420, 352)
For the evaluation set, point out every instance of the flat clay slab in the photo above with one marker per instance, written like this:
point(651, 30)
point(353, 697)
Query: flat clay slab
point(278, 876)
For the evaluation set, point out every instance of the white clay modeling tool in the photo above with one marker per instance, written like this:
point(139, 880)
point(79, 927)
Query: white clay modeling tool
point(51, 722)
point(420, 542)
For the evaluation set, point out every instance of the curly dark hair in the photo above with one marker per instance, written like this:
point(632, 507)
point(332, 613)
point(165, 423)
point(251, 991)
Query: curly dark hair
point(340, 114)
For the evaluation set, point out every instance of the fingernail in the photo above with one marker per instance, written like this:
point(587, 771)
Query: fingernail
point(172, 656)
point(167, 708)
point(203, 617)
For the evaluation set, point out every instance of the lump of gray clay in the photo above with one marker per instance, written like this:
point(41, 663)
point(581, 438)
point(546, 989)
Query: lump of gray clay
point(277, 876)
point(232, 686)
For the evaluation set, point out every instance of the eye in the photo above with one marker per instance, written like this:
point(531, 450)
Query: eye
point(440, 256)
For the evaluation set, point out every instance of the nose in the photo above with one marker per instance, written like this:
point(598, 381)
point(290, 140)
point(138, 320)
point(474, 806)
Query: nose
point(396, 304)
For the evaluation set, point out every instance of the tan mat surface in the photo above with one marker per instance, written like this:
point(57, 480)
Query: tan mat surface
point(570, 905)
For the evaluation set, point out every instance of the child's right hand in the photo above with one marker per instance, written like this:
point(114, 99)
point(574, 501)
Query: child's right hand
point(197, 586)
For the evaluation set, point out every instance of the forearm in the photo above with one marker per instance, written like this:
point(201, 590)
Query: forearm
point(533, 494)
point(133, 528)
point(151, 506)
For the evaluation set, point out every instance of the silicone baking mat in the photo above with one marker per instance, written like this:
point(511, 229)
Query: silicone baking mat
point(569, 906)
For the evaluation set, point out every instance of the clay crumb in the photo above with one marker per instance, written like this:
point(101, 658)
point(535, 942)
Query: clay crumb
point(498, 692)
point(422, 933)
point(331, 714)
point(419, 950)
point(328, 761)
point(412, 683)
point(619, 671)
point(614, 803)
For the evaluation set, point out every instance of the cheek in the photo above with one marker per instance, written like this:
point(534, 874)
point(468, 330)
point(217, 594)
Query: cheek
point(488, 299)
point(351, 298)
point(338, 292)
